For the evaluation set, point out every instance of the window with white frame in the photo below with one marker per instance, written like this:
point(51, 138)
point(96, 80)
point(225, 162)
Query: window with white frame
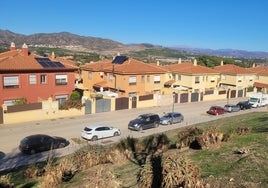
point(43, 79)
point(156, 79)
point(61, 79)
point(9, 102)
point(111, 77)
point(32, 79)
point(61, 99)
point(132, 80)
point(10, 82)
point(212, 79)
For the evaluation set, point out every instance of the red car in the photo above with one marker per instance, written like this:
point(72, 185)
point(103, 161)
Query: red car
point(216, 110)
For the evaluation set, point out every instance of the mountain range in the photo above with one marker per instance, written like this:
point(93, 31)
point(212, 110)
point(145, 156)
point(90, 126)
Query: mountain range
point(75, 42)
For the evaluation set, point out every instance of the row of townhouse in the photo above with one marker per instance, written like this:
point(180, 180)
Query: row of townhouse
point(36, 78)
point(126, 77)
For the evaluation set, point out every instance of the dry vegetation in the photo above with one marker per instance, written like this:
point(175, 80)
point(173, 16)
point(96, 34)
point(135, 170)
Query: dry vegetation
point(199, 158)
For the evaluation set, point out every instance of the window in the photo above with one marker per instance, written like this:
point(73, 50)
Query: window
point(32, 79)
point(61, 98)
point(197, 80)
point(11, 81)
point(142, 79)
point(111, 77)
point(132, 80)
point(148, 78)
point(156, 79)
point(43, 79)
point(90, 75)
point(239, 79)
point(61, 79)
point(9, 102)
point(179, 76)
point(212, 79)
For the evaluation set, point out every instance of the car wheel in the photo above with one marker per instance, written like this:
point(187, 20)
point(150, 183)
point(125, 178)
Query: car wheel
point(156, 124)
point(32, 151)
point(140, 128)
point(170, 122)
point(116, 134)
point(217, 114)
point(94, 138)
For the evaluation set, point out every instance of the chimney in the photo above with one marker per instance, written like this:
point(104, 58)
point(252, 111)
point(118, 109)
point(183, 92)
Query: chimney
point(221, 62)
point(12, 46)
point(179, 62)
point(25, 51)
point(53, 55)
point(195, 62)
point(254, 65)
point(157, 63)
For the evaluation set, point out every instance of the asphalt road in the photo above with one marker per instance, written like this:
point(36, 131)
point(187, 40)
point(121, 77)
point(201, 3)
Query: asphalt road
point(11, 134)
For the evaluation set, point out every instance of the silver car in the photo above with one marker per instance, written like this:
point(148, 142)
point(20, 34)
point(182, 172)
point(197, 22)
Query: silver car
point(171, 118)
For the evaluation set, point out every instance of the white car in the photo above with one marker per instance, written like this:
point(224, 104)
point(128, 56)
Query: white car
point(95, 132)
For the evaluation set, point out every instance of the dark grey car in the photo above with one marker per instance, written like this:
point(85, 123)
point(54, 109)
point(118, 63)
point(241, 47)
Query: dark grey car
point(41, 142)
point(171, 118)
point(144, 121)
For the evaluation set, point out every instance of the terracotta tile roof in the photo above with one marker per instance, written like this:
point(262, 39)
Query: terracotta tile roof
point(261, 85)
point(232, 69)
point(15, 61)
point(190, 68)
point(103, 84)
point(261, 70)
point(130, 66)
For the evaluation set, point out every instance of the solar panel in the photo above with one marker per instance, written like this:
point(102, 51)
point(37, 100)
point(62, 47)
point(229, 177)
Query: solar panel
point(47, 63)
point(119, 59)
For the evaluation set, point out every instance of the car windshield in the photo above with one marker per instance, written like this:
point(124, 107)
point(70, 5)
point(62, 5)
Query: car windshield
point(141, 117)
point(25, 140)
point(167, 115)
point(253, 99)
point(87, 129)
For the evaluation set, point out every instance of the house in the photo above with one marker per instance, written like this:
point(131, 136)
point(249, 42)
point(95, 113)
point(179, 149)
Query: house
point(124, 76)
point(33, 78)
point(261, 78)
point(235, 77)
point(190, 76)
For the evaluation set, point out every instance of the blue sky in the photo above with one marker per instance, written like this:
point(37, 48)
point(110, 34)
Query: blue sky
point(215, 24)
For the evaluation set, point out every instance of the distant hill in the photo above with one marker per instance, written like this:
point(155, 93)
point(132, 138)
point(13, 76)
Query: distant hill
point(67, 41)
point(224, 52)
point(75, 42)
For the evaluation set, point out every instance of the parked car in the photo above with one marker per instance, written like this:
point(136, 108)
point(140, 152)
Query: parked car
point(96, 132)
point(244, 105)
point(41, 142)
point(144, 121)
point(171, 117)
point(216, 110)
point(231, 108)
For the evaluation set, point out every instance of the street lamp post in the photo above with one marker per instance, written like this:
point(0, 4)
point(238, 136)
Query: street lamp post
point(228, 93)
point(173, 101)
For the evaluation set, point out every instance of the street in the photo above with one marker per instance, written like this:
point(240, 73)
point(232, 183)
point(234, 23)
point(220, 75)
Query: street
point(10, 135)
